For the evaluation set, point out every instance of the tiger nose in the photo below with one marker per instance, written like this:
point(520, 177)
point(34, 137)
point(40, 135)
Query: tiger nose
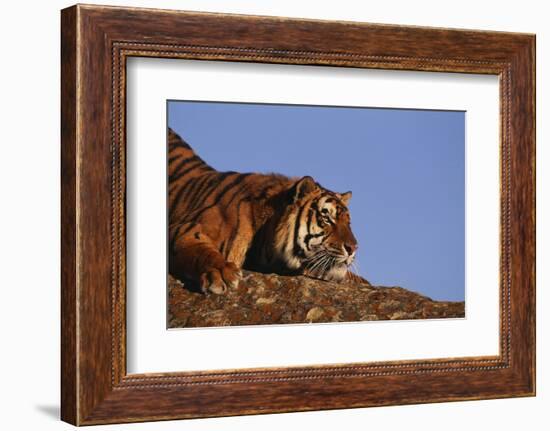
point(350, 248)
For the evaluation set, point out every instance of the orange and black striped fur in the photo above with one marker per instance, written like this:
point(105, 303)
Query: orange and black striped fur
point(220, 222)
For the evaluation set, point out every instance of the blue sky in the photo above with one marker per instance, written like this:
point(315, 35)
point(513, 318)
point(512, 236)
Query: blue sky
point(406, 169)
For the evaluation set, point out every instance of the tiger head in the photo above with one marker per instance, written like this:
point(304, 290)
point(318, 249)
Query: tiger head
point(314, 235)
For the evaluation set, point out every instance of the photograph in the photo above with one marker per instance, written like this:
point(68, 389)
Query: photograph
point(294, 214)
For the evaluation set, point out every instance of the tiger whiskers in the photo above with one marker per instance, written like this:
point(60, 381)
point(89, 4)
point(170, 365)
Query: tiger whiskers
point(322, 264)
point(328, 265)
point(318, 262)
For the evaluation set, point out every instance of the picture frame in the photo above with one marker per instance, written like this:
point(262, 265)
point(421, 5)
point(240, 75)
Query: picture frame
point(96, 42)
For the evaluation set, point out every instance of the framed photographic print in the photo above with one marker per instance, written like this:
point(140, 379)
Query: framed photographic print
point(322, 214)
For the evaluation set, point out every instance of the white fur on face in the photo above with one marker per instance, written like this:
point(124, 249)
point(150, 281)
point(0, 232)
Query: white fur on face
point(328, 209)
point(287, 238)
point(337, 273)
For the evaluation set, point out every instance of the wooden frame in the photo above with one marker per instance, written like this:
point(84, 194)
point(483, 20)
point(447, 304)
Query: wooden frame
point(96, 41)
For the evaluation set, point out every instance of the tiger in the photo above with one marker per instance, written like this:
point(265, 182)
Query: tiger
point(220, 223)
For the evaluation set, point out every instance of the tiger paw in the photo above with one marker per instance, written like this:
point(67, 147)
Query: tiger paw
point(218, 280)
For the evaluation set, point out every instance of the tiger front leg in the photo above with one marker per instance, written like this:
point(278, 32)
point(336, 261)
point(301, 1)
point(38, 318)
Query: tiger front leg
point(194, 256)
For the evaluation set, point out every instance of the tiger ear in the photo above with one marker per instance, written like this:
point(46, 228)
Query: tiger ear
point(345, 197)
point(303, 187)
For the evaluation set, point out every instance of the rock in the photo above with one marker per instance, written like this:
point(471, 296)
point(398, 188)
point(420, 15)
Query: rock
point(270, 298)
point(401, 315)
point(260, 301)
point(314, 314)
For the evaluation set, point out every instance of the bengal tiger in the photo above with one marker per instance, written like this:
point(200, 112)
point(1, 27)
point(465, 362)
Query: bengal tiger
point(222, 222)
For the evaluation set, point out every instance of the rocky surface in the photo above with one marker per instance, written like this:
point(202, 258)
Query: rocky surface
point(269, 298)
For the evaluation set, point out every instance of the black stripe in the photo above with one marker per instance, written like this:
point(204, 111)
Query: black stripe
point(174, 202)
point(265, 191)
point(177, 232)
point(308, 226)
point(204, 192)
point(183, 189)
point(216, 181)
point(189, 191)
point(200, 167)
point(173, 158)
point(316, 210)
point(310, 236)
point(189, 185)
point(319, 218)
point(192, 165)
point(180, 144)
point(235, 183)
point(297, 250)
point(175, 141)
point(239, 179)
point(191, 195)
point(172, 187)
point(181, 164)
point(309, 217)
point(249, 196)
